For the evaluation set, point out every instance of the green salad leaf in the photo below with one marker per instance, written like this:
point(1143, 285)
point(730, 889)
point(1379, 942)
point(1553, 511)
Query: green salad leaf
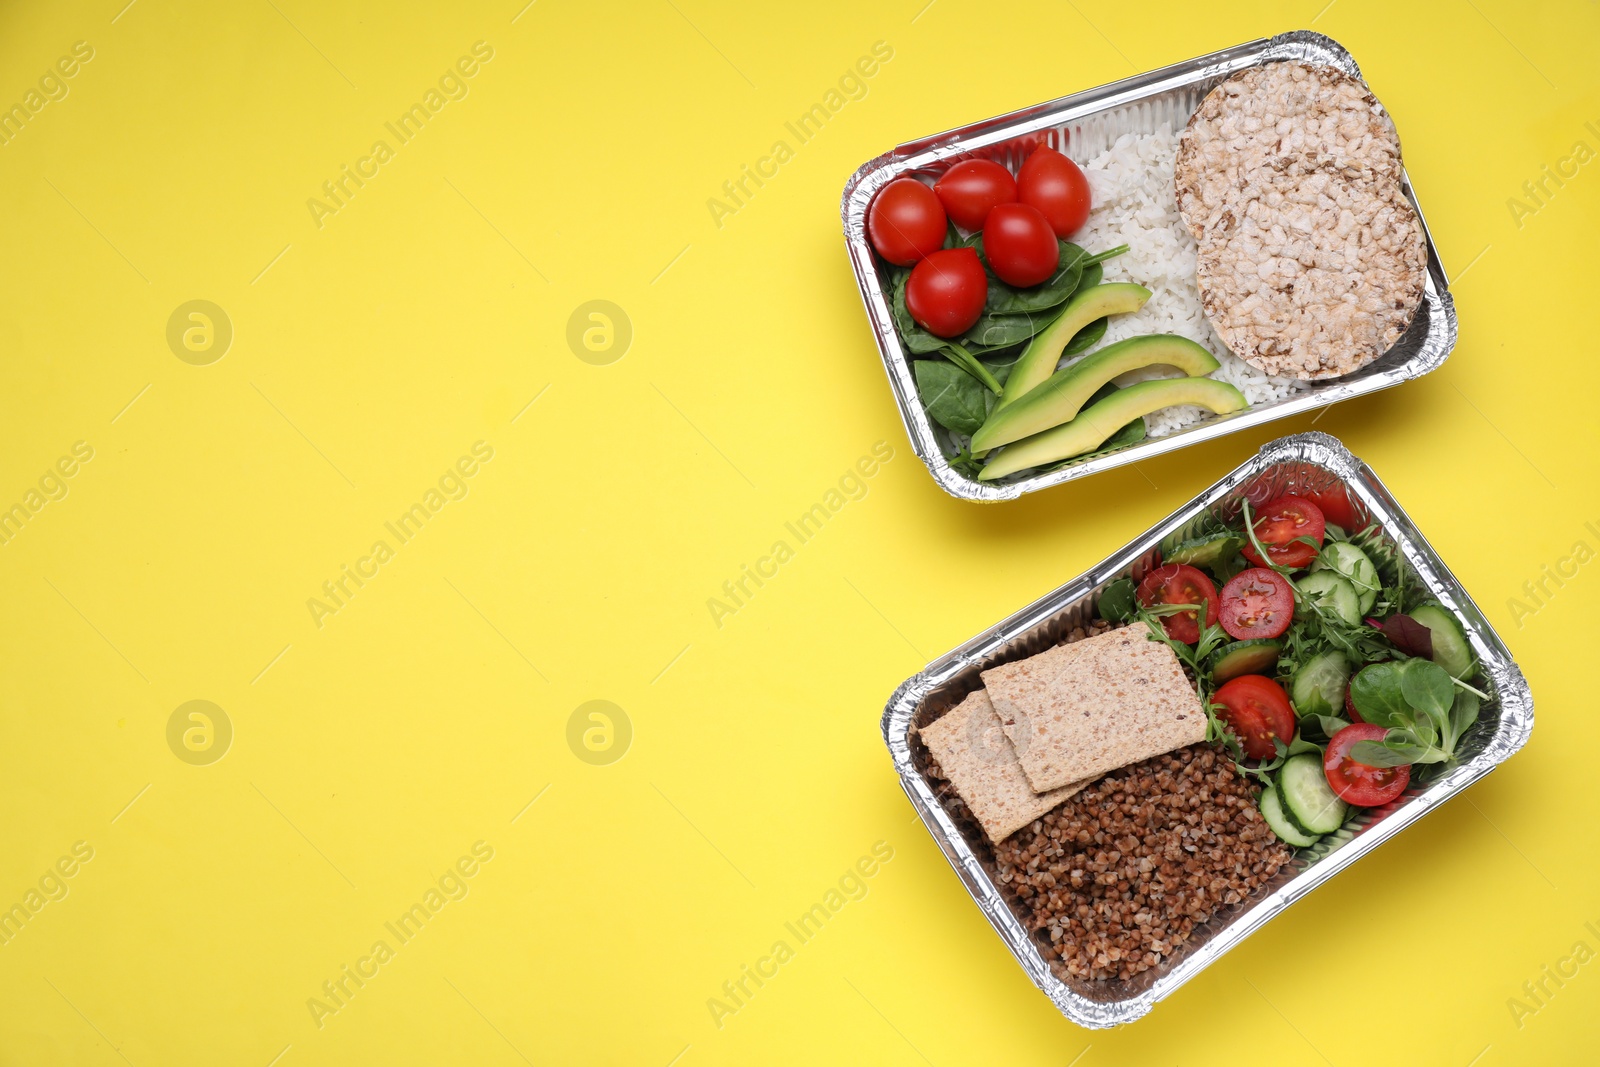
point(952, 397)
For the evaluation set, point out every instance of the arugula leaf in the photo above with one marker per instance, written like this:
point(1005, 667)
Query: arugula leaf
point(952, 397)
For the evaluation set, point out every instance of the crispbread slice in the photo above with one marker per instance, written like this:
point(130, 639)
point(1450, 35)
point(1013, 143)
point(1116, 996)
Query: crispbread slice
point(973, 752)
point(1079, 710)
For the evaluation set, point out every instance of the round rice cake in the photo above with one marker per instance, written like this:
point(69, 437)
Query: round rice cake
point(1292, 118)
point(1312, 275)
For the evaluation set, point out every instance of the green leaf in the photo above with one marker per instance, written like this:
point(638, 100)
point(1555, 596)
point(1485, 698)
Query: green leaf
point(953, 398)
point(1326, 725)
point(1463, 713)
point(1092, 274)
point(1050, 293)
point(1301, 744)
point(1000, 330)
point(1117, 601)
point(1086, 338)
point(1378, 696)
point(1427, 687)
point(1387, 753)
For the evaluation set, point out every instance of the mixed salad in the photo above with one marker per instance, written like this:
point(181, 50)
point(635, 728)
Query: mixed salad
point(1329, 679)
point(989, 297)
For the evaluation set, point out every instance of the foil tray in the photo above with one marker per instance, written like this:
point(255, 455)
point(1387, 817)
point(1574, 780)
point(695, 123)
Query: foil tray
point(1082, 125)
point(1306, 462)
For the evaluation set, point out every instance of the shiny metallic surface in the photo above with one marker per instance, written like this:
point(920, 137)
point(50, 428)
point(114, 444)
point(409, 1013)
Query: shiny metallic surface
point(1086, 123)
point(1305, 462)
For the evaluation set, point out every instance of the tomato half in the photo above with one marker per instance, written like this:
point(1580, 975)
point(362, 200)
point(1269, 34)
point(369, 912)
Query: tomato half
point(1337, 508)
point(1257, 710)
point(1358, 783)
point(946, 291)
point(1278, 526)
point(1021, 247)
point(970, 188)
point(1179, 583)
point(1257, 603)
point(906, 222)
point(1056, 186)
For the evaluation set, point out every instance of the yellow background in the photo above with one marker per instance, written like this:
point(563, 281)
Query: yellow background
point(368, 354)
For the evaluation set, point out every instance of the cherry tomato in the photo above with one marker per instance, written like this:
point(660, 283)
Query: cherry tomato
point(1053, 183)
point(945, 292)
point(1257, 603)
point(1278, 525)
point(1337, 508)
point(970, 188)
point(1179, 583)
point(1357, 783)
point(906, 222)
point(1257, 709)
point(1021, 246)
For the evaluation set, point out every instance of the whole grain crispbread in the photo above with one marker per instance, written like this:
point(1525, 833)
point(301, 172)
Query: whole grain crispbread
point(974, 753)
point(1079, 710)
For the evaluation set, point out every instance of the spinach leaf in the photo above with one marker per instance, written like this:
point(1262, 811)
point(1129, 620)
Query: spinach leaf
point(953, 398)
point(1001, 330)
point(1378, 697)
point(1086, 338)
point(1092, 274)
point(1052, 292)
point(1463, 713)
point(1390, 753)
point(1427, 687)
point(1117, 601)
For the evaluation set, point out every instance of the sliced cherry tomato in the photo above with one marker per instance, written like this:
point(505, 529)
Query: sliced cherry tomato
point(1056, 186)
point(946, 291)
point(1337, 508)
point(1357, 783)
point(1021, 247)
point(1179, 583)
point(906, 222)
point(970, 188)
point(1257, 709)
point(1279, 525)
point(1257, 603)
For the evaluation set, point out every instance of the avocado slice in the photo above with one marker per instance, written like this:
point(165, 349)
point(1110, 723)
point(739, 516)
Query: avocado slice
point(1099, 421)
point(1066, 391)
point(1039, 359)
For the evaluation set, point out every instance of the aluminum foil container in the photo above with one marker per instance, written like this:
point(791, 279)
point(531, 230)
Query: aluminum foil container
point(1083, 125)
point(1304, 462)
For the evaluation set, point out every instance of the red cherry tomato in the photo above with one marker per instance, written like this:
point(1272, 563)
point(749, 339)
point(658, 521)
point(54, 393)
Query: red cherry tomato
point(1021, 246)
point(1179, 583)
point(1257, 603)
point(1337, 508)
point(1257, 709)
point(1278, 526)
point(906, 222)
point(970, 188)
point(1053, 183)
point(946, 291)
point(1357, 783)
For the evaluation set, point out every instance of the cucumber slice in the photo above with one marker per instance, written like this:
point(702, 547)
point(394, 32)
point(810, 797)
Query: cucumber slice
point(1203, 551)
point(1256, 656)
point(1318, 686)
point(1307, 798)
point(1333, 591)
point(1272, 812)
point(1450, 648)
point(1352, 564)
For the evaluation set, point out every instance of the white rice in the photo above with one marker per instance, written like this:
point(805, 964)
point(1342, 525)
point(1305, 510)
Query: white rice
point(1134, 204)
